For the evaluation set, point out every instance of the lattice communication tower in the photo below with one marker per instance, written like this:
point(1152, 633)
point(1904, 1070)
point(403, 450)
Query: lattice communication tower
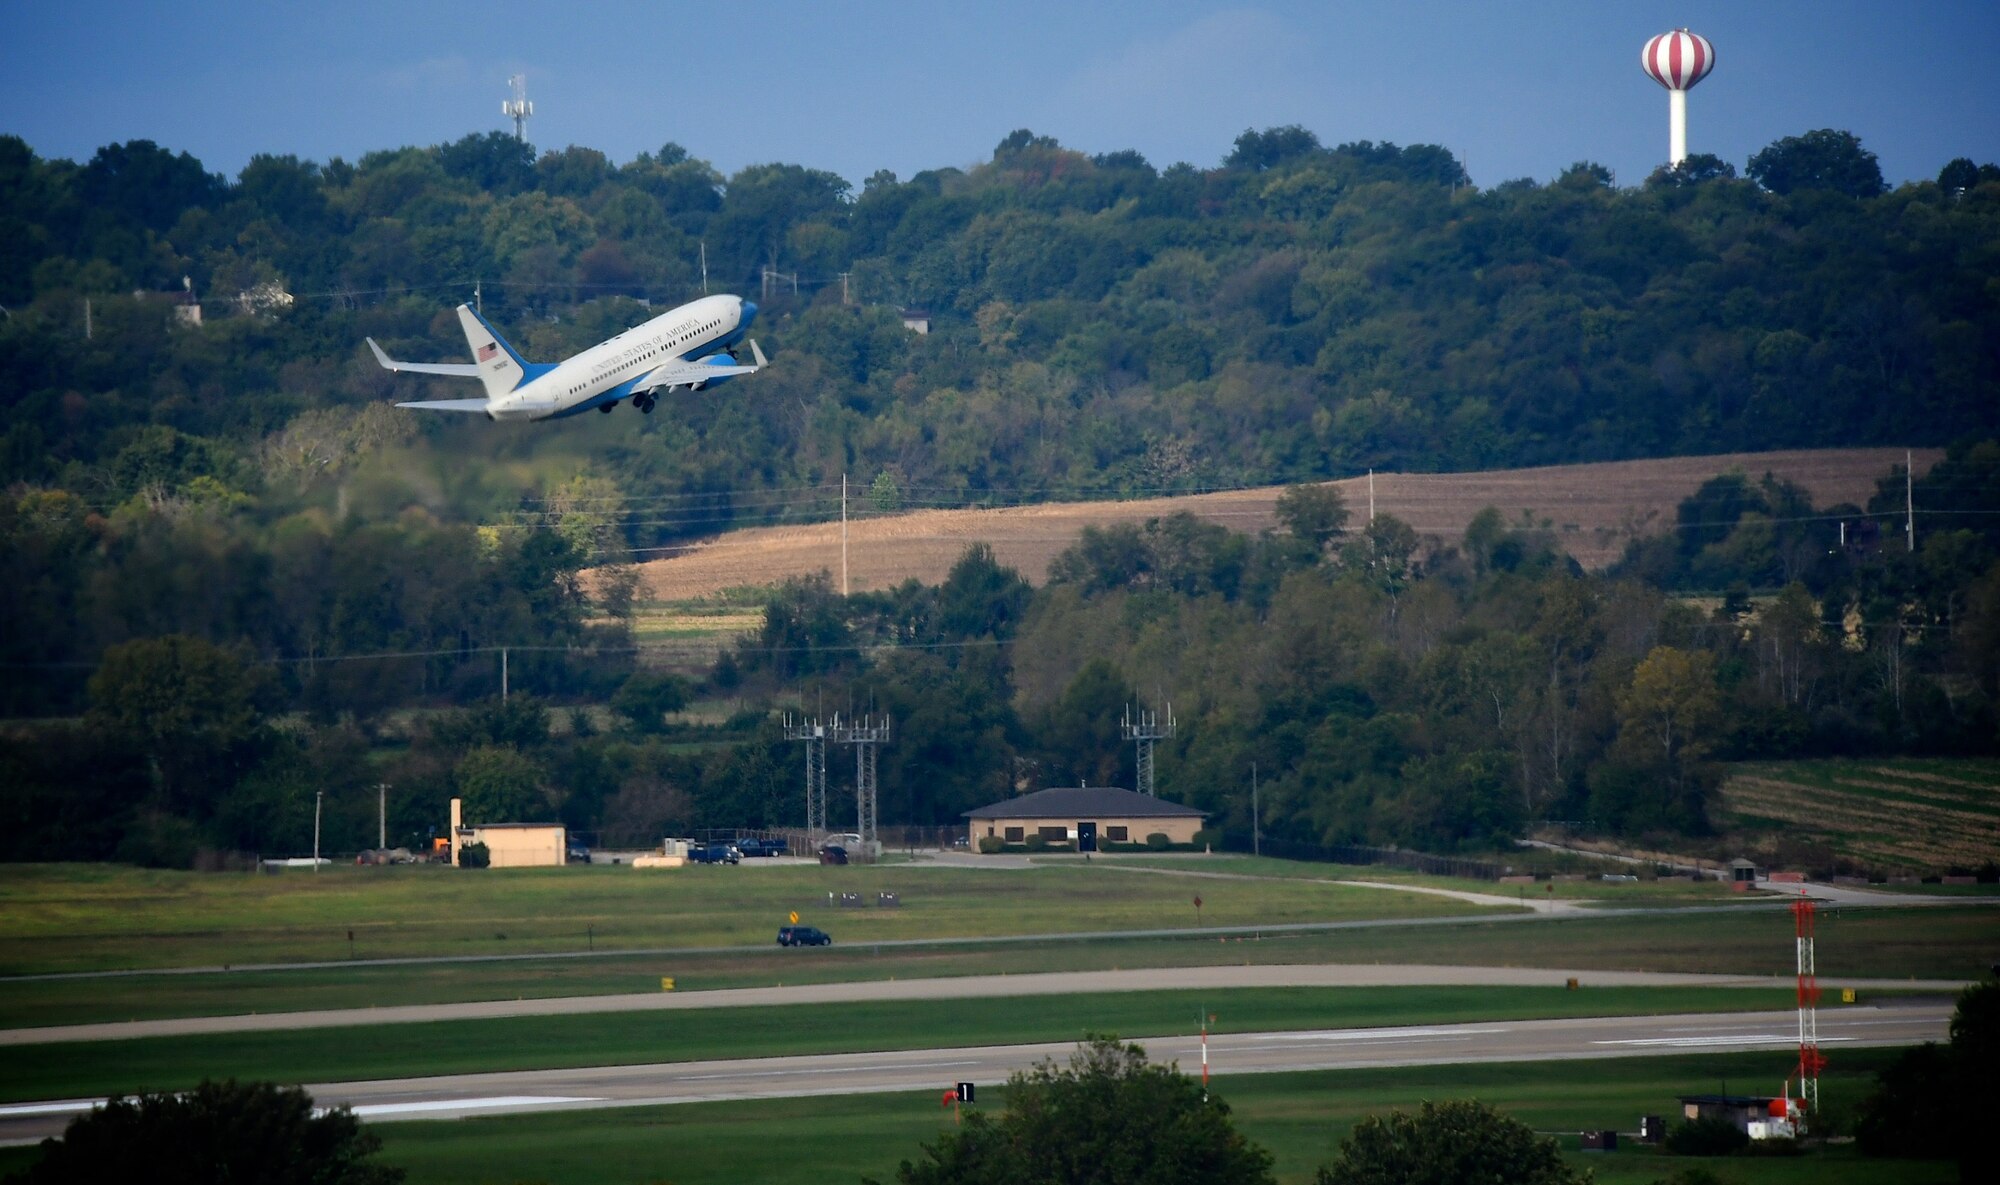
point(813, 733)
point(865, 736)
point(518, 108)
point(1143, 728)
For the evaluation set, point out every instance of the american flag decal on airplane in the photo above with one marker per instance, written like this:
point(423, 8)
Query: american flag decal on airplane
point(487, 351)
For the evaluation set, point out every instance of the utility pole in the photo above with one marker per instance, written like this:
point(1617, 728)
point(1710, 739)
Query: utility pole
point(382, 815)
point(503, 674)
point(319, 797)
point(843, 535)
point(1909, 502)
point(1256, 820)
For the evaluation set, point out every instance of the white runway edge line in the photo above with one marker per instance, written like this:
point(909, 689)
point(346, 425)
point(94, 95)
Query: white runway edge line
point(61, 1107)
point(501, 1102)
point(498, 1103)
point(1373, 1034)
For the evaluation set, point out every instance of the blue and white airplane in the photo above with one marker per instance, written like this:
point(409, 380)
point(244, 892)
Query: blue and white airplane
point(686, 347)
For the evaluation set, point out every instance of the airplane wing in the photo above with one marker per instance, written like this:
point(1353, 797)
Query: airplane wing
point(457, 369)
point(682, 373)
point(478, 405)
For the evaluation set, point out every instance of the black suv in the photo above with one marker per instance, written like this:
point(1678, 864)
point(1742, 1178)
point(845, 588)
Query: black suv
point(802, 936)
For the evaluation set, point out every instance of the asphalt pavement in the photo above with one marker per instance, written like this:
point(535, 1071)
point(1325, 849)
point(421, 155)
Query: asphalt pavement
point(520, 1092)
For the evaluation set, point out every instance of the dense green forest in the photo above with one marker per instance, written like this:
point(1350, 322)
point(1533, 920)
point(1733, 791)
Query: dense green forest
point(232, 568)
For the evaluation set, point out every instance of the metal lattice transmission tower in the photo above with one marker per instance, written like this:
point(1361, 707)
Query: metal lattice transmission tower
point(518, 108)
point(1811, 1061)
point(864, 736)
point(1143, 728)
point(813, 733)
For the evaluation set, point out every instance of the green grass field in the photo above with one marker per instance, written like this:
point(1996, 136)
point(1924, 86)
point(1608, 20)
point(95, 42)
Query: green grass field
point(86, 917)
point(86, 1069)
point(60, 918)
point(1936, 942)
point(1299, 1118)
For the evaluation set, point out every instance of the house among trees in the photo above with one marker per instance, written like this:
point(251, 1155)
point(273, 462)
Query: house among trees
point(1088, 817)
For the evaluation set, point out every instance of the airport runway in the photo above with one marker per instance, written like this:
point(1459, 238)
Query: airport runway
point(1232, 1054)
point(1051, 983)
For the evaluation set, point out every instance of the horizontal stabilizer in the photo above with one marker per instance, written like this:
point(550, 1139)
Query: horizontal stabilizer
point(457, 369)
point(478, 405)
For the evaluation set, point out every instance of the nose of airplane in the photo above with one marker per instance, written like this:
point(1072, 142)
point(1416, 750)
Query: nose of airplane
point(747, 314)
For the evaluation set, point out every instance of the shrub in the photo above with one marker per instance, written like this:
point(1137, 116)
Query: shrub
point(219, 1131)
point(1037, 844)
point(1208, 837)
point(474, 855)
point(989, 844)
point(1158, 842)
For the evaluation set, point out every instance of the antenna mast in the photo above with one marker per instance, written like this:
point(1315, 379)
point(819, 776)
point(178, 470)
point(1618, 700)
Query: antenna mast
point(518, 108)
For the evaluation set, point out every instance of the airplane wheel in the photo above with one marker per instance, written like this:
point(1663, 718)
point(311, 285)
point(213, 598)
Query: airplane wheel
point(647, 407)
point(606, 407)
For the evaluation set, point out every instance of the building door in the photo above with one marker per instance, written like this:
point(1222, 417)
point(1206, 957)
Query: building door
point(1086, 837)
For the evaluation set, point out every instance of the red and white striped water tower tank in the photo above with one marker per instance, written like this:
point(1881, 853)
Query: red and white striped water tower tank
point(1677, 61)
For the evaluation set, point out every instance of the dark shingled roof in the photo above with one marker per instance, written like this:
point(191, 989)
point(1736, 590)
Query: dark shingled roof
point(1086, 802)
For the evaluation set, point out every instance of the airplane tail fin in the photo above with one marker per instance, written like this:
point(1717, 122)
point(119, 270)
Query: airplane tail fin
point(500, 367)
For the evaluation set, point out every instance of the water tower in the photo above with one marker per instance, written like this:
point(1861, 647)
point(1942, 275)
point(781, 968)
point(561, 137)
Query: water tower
point(1677, 61)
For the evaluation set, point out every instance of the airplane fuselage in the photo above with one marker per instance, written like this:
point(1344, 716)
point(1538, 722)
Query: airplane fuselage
point(609, 371)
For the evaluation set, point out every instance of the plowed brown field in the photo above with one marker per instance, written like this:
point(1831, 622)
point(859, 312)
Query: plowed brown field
point(1594, 510)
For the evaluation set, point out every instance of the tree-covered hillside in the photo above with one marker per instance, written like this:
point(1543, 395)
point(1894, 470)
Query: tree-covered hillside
point(1100, 325)
point(233, 569)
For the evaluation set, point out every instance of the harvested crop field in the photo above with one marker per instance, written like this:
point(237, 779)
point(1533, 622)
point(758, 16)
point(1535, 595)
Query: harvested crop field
point(1913, 815)
point(1594, 509)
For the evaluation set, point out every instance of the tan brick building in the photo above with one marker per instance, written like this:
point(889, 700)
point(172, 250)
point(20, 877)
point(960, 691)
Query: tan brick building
point(1087, 816)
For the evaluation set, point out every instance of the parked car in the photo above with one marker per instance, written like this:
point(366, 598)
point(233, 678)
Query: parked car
point(803, 936)
point(753, 846)
point(833, 854)
point(579, 853)
point(714, 853)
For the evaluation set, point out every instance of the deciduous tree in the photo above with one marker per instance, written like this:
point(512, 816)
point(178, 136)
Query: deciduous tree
point(1109, 1118)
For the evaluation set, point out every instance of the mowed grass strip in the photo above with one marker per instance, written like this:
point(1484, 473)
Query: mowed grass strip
point(1932, 942)
point(89, 1069)
point(1300, 1118)
point(89, 917)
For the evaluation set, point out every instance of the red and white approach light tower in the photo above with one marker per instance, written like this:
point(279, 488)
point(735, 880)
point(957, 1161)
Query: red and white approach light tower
point(1677, 61)
point(1810, 1060)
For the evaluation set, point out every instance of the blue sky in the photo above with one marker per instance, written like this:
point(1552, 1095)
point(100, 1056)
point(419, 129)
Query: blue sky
point(1514, 89)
